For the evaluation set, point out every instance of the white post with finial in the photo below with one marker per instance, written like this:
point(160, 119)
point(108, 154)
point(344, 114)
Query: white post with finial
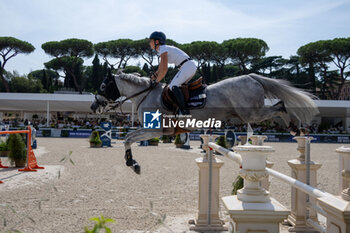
point(209, 185)
point(299, 211)
point(252, 209)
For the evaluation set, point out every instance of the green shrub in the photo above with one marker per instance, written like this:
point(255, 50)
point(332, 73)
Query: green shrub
point(125, 130)
point(221, 141)
point(95, 137)
point(178, 140)
point(154, 140)
point(3, 146)
point(166, 139)
point(64, 133)
point(237, 185)
point(17, 148)
point(46, 132)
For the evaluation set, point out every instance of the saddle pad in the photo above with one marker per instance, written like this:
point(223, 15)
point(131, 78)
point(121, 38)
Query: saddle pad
point(197, 98)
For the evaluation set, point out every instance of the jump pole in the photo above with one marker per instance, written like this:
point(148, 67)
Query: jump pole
point(31, 159)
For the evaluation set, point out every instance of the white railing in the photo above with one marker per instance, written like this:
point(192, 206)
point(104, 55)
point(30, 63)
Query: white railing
point(335, 209)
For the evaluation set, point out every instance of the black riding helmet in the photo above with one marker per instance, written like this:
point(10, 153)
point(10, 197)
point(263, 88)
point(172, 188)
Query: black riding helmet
point(158, 36)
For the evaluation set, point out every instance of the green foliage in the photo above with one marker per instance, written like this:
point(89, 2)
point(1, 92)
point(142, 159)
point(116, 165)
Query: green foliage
point(48, 78)
point(17, 148)
point(9, 48)
point(221, 141)
point(46, 132)
point(178, 140)
point(154, 140)
point(243, 51)
point(95, 138)
point(143, 49)
point(69, 48)
point(166, 139)
point(134, 69)
point(25, 85)
point(320, 56)
point(122, 50)
point(3, 146)
point(68, 56)
point(237, 185)
point(65, 133)
point(100, 225)
point(15, 45)
point(125, 130)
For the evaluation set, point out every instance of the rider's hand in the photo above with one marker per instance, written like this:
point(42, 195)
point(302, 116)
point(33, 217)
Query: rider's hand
point(154, 76)
point(154, 83)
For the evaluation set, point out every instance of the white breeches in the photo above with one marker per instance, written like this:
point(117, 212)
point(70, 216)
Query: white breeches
point(186, 72)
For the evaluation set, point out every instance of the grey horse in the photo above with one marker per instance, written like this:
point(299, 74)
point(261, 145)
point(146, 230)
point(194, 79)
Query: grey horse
point(241, 97)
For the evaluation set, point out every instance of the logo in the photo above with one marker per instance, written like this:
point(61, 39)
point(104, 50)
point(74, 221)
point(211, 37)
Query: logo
point(151, 120)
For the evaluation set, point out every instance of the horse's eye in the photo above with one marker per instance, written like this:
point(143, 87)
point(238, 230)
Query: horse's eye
point(103, 87)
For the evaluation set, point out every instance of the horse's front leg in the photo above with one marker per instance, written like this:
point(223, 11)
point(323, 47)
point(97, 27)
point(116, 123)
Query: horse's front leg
point(135, 136)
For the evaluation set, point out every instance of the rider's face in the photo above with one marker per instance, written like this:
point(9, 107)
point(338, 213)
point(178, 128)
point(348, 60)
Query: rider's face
point(152, 44)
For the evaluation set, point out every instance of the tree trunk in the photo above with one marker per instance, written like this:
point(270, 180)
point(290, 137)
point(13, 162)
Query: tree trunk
point(4, 81)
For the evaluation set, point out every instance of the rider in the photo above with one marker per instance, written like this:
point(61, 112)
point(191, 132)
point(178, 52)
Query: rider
point(173, 55)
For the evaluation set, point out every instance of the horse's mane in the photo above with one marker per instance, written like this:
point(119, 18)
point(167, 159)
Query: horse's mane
point(132, 78)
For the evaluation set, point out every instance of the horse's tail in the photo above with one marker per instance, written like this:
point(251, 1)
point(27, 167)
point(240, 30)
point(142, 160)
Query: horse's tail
point(296, 101)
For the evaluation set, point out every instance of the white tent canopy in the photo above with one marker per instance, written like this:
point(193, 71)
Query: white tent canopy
point(34, 102)
point(56, 102)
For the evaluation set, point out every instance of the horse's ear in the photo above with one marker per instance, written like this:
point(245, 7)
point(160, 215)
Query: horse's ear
point(119, 71)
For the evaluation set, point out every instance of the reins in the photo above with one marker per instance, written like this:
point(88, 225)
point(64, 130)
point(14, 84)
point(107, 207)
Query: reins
point(149, 89)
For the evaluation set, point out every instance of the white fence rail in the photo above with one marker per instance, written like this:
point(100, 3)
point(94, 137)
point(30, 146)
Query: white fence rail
point(304, 209)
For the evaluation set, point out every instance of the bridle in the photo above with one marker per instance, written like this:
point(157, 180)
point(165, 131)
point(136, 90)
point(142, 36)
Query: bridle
point(148, 90)
point(116, 94)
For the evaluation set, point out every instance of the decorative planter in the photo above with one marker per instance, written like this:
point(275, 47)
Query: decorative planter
point(4, 153)
point(179, 145)
point(94, 145)
point(20, 163)
point(153, 143)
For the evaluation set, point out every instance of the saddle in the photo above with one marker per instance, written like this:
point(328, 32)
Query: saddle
point(194, 94)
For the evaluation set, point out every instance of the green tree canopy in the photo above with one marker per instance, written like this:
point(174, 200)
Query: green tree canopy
point(68, 57)
point(144, 51)
point(48, 78)
point(9, 48)
point(243, 51)
point(24, 84)
point(122, 50)
point(339, 50)
point(322, 54)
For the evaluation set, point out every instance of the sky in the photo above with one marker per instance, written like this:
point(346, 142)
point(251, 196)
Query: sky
point(283, 25)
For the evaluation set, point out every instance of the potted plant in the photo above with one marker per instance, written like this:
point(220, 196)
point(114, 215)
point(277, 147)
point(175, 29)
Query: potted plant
point(4, 150)
point(154, 142)
point(166, 139)
point(95, 140)
point(178, 142)
point(18, 152)
point(221, 141)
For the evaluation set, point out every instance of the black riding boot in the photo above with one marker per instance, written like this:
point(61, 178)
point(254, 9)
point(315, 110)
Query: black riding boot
point(180, 100)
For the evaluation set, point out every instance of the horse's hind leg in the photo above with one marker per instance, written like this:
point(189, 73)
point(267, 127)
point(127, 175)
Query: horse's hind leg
point(268, 112)
point(137, 135)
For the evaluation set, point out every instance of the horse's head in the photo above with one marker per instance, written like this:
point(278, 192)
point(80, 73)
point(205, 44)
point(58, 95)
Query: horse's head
point(107, 93)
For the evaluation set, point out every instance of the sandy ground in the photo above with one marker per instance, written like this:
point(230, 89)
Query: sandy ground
point(93, 182)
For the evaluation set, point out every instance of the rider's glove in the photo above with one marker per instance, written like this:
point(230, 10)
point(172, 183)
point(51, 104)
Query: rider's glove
point(154, 83)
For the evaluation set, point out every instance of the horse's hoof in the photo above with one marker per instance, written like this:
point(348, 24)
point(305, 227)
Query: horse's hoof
point(129, 162)
point(137, 169)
